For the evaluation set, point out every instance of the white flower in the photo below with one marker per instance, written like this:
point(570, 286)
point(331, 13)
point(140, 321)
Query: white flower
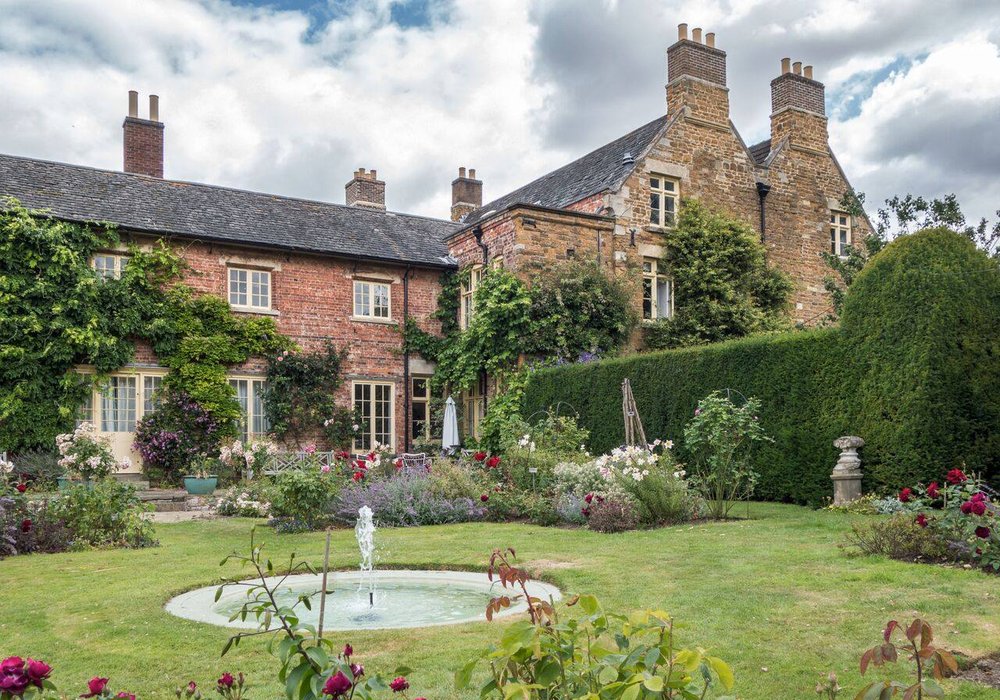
point(355, 427)
point(531, 446)
point(525, 439)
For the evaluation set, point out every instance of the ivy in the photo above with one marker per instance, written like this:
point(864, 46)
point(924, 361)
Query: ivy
point(57, 313)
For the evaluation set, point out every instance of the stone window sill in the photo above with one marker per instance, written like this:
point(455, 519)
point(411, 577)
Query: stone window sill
point(371, 319)
point(254, 310)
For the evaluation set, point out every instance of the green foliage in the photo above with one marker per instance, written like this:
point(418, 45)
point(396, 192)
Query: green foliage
point(793, 375)
point(931, 664)
point(39, 468)
point(305, 496)
point(723, 286)
point(106, 513)
point(898, 537)
point(924, 390)
point(174, 434)
point(300, 400)
point(720, 439)
point(594, 654)
point(577, 309)
point(502, 421)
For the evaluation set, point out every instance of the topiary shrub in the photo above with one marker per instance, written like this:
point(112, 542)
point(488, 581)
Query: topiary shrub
point(920, 326)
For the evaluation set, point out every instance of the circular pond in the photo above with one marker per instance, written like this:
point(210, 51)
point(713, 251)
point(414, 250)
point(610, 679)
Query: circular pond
point(402, 599)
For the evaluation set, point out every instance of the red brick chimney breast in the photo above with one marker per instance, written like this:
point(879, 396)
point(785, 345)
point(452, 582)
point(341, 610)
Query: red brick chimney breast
point(143, 138)
point(365, 190)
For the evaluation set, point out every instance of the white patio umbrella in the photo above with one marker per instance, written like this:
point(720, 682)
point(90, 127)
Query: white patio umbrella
point(449, 434)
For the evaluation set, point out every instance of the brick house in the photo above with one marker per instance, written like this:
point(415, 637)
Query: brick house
point(354, 273)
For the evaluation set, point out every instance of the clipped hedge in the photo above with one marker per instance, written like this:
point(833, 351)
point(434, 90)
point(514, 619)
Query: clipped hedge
point(790, 373)
point(914, 369)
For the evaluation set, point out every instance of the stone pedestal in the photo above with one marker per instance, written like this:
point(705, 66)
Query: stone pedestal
point(847, 473)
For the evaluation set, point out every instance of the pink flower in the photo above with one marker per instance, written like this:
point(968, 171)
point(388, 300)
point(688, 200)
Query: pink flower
point(966, 507)
point(125, 696)
point(310, 448)
point(280, 358)
point(348, 651)
point(956, 476)
point(357, 670)
point(978, 507)
point(38, 671)
point(484, 498)
point(325, 469)
point(906, 495)
point(493, 462)
point(13, 679)
point(337, 684)
point(922, 520)
point(697, 411)
point(933, 490)
point(96, 686)
point(399, 684)
point(226, 680)
point(982, 532)
point(589, 498)
point(479, 456)
point(192, 686)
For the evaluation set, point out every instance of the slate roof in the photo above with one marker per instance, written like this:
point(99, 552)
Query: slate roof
point(595, 172)
point(760, 151)
point(153, 205)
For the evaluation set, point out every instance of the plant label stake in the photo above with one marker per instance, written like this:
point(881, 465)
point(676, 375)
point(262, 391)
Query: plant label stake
point(322, 595)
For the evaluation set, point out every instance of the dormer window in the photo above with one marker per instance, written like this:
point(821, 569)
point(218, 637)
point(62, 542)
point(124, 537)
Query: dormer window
point(840, 233)
point(109, 266)
point(250, 289)
point(664, 196)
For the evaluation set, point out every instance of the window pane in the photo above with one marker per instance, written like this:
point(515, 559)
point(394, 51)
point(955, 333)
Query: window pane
point(419, 387)
point(260, 289)
point(654, 208)
point(647, 265)
point(654, 183)
point(237, 287)
point(662, 298)
point(647, 298)
point(668, 185)
point(118, 405)
point(242, 387)
point(260, 424)
point(362, 299)
point(86, 412)
point(104, 265)
point(150, 385)
point(381, 300)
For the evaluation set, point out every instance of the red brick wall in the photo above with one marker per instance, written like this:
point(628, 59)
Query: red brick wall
point(313, 298)
point(143, 140)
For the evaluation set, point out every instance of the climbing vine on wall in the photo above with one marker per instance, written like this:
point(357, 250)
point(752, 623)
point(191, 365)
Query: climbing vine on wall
point(57, 313)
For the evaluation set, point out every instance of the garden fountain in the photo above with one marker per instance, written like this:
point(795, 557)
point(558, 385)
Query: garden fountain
point(365, 598)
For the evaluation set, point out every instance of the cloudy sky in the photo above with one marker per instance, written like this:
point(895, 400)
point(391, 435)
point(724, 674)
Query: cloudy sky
point(290, 96)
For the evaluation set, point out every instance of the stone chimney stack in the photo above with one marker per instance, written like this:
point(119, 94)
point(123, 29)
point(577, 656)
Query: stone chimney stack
point(466, 194)
point(798, 107)
point(366, 190)
point(696, 77)
point(143, 138)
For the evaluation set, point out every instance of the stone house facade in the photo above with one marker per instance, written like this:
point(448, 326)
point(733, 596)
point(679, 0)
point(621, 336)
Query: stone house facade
point(353, 273)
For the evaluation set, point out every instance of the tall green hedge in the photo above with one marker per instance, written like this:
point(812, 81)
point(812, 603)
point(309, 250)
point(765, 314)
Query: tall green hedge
point(914, 369)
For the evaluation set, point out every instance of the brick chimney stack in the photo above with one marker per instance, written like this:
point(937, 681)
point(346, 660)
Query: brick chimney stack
point(696, 77)
point(798, 108)
point(366, 190)
point(143, 138)
point(466, 194)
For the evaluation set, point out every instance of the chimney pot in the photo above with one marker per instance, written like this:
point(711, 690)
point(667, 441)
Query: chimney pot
point(133, 103)
point(461, 171)
point(808, 72)
point(696, 34)
point(154, 108)
point(710, 40)
point(682, 31)
point(797, 68)
point(786, 65)
point(472, 173)
point(374, 175)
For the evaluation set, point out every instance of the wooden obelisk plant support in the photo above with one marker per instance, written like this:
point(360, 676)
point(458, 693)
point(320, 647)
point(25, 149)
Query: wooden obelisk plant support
point(634, 434)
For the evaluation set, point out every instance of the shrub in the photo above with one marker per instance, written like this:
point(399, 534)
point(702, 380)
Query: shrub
point(249, 499)
point(177, 431)
point(86, 454)
point(304, 496)
point(404, 500)
point(450, 480)
point(105, 514)
point(923, 316)
point(30, 526)
point(720, 438)
point(899, 537)
point(250, 458)
point(612, 515)
point(38, 467)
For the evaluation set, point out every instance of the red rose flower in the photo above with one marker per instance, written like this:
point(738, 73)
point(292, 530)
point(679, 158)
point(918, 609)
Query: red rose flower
point(956, 476)
point(125, 696)
point(22, 487)
point(982, 532)
point(479, 456)
point(348, 651)
point(358, 476)
point(966, 507)
point(26, 525)
point(13, 680)
point(585, 512)
point(933, 490)
point(371, 456)
point(96, 686)
point(484, 498)
point(398, 463)
point(493, 462)
point(978, 507)
point(226, 680)
point(38, 671)
point(192, 686)
point(589, 497)
point(922, 520)
point(906, 495)
point(980, 496)
point(357, 670)
point(337, 684)
point(399, 684)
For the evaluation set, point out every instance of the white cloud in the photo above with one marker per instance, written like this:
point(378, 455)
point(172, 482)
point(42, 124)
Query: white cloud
point(271, 100)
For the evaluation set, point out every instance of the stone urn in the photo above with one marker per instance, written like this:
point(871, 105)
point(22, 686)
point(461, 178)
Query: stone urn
point(847, 472)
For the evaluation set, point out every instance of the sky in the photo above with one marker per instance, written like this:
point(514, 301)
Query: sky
point(291, 96)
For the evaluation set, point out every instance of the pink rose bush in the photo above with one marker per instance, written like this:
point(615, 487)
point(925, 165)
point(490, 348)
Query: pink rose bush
point(85, 454)
point(962, 513)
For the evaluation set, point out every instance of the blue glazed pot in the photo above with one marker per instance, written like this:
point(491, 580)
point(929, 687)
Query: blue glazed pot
point(200, 487)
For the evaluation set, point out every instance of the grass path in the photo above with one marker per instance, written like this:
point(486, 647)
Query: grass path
point(772, 595)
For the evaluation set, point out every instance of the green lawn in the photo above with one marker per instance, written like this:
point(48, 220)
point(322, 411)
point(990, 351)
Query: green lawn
point(772, 595)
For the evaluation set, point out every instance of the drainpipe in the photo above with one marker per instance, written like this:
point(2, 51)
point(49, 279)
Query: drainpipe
point(478, 234)
point(762, 189)
point(406, 362)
